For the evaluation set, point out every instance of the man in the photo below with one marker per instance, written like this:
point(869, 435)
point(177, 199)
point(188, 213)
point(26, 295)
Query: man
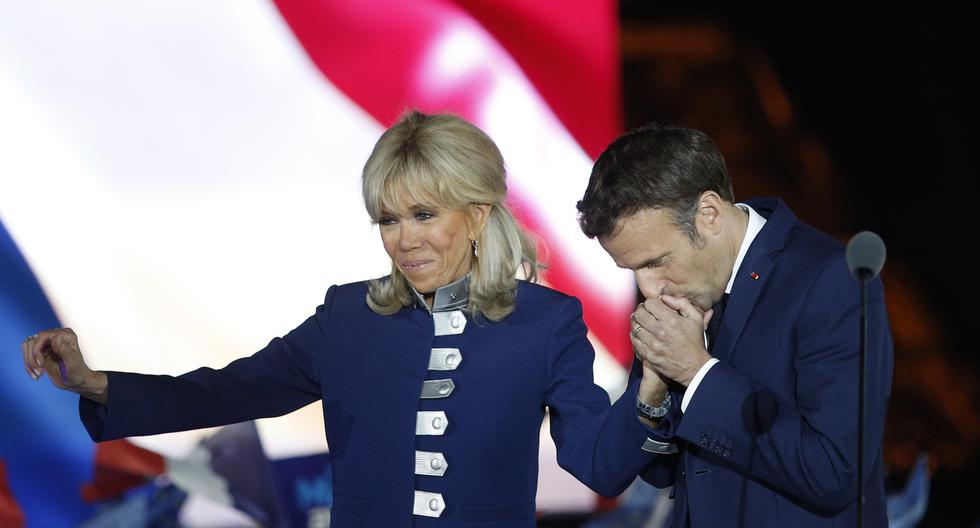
point(762, 409)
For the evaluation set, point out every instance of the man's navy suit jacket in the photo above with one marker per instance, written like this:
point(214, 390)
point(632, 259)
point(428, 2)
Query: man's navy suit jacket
point(770, 435)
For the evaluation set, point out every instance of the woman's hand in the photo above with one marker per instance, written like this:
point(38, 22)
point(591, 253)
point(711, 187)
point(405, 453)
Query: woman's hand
point(653, 386)
point(56, 352)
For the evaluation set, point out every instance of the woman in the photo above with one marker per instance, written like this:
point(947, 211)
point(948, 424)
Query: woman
point(434, 380)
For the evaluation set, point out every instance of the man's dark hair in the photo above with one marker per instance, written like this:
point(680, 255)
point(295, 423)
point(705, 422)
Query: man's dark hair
point(656, 166)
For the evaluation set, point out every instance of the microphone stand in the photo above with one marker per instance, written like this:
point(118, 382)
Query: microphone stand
point(864, 275)
point(865, 257)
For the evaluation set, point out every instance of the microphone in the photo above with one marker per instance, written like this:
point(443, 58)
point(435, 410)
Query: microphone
point(865, 255)
point(865, 258)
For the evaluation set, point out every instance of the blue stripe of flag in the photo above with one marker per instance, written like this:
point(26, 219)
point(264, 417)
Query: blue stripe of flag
point(46, 450)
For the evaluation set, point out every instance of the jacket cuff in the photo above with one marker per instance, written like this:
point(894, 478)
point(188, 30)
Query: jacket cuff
point(666, 428)
point(95, 416)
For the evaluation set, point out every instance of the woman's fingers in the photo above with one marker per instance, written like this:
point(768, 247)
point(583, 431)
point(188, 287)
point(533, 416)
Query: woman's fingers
point(706, 319)
point(47, 350)
point(38, 347)
point(29, 366)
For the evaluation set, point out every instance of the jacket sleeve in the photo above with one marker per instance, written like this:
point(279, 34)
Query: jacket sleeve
point(276, 380)
point(807, 448)
point(599, 444)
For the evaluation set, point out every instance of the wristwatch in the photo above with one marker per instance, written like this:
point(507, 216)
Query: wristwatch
point(651, 412)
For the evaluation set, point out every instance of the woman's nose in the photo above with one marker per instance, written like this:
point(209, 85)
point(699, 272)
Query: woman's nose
point(408, 236)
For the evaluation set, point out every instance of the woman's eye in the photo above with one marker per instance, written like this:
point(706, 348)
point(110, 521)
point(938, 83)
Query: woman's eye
point(424, 215)
point(386, 220)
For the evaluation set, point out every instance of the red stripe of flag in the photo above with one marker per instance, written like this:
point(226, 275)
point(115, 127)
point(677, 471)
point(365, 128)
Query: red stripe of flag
point(10, 513)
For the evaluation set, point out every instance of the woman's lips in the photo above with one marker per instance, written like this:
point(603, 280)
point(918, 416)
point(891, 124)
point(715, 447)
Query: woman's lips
point(414, 265)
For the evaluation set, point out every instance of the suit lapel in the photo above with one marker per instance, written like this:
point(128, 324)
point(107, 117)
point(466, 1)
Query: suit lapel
point(745, 293)
point(753, 274)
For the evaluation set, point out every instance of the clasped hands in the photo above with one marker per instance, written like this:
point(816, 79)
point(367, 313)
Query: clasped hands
point(668, 337)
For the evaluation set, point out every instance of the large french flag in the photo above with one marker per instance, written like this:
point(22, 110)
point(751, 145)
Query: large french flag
point(164, 167)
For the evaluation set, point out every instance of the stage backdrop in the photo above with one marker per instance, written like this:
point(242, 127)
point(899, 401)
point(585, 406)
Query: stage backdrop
point(179, 183)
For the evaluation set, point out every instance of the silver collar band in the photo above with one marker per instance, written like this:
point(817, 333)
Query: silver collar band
point(452, 296)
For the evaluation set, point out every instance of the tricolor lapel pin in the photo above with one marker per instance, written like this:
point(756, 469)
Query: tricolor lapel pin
point(754, 275)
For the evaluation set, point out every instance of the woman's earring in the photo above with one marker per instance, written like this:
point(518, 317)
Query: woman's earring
point(475, 244)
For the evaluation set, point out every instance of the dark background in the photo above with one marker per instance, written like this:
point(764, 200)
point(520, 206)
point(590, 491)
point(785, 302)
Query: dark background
point(891, 95)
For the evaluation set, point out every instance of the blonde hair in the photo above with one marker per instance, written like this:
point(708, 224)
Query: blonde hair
point(444, 158)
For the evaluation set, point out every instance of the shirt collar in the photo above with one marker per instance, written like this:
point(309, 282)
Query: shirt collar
point(449, 297)
point(756, 221)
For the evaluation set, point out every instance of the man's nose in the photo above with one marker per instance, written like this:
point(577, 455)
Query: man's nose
point(650, 282)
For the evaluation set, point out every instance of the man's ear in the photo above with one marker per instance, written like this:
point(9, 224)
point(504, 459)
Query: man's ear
point(710, 217)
